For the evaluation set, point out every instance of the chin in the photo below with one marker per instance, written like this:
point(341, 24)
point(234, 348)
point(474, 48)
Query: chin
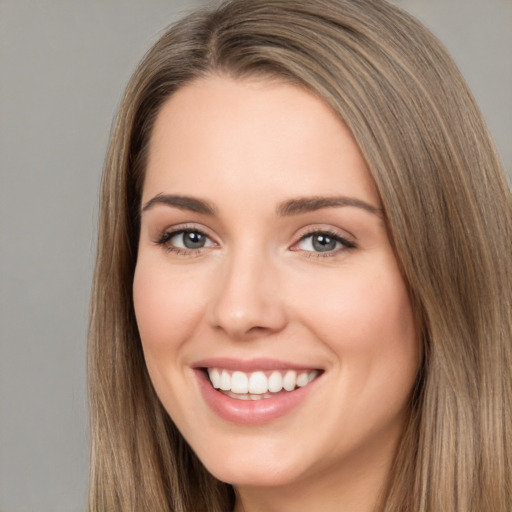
point(254, 475)
point(261, 466)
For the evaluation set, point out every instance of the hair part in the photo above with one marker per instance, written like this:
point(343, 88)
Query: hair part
point(449, 216)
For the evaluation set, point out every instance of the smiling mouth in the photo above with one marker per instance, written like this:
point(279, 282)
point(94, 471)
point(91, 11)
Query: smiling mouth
point(259, 385)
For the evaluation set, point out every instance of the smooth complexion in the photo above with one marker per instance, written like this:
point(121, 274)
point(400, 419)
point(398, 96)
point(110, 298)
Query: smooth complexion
point(242, 267)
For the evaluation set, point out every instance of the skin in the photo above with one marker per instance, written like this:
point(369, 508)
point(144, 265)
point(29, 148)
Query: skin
point(260, 289)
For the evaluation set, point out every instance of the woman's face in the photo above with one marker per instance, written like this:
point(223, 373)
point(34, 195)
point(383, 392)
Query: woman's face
point(264, 260)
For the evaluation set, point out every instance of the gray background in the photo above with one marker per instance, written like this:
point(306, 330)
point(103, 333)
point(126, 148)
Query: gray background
point(63, 66)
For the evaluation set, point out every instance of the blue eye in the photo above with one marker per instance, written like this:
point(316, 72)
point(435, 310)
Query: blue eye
point(189, 240)
point(185, 240)
point(323, 242)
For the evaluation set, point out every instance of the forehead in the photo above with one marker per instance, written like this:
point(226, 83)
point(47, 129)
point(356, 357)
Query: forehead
point(256, 135)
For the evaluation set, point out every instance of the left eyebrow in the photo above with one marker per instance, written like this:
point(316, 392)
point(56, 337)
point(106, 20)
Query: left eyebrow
point(181, 202)
point(310, 204)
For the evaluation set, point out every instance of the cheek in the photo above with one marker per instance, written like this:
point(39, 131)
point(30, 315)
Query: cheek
point(166, 308)
point(365, 318)
point(167, 312)
point(368, 325)
point(357, 304)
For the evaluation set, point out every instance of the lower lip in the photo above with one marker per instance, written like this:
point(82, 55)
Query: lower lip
point(251, 412)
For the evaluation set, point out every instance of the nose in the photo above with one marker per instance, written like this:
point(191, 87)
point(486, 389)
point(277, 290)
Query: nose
point(248, 303)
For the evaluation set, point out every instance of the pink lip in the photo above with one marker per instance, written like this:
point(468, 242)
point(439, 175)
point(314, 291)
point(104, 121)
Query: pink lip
point(250, 412)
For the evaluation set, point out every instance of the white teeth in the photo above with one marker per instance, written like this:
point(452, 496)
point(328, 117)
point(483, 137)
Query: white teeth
point(257, 385)
point(247, 396)
point(239, 396)
point(302, 379)
point(225, 381)
point(214, 375)
point(275, 382)
point(239, 383)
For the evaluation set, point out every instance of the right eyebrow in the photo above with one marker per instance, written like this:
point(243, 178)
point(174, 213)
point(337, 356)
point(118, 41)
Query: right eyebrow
point(191, 204)
point(311, 204)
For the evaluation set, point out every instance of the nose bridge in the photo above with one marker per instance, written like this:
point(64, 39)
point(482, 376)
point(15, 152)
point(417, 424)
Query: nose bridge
point(247, 302)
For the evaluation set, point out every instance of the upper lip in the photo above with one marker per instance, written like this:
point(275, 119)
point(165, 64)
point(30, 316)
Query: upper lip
point(250, 365)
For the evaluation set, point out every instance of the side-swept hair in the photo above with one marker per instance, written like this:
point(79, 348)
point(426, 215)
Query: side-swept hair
point(449, 216)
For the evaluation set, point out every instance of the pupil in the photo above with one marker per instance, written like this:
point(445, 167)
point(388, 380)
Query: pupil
point(193, 240)
point(323, 243)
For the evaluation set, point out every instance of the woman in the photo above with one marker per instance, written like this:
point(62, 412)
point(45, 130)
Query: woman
point(302, 295)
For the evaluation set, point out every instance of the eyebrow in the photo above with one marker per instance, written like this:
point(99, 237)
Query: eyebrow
point(285, 209)
point(182, 202)
point(310, 204)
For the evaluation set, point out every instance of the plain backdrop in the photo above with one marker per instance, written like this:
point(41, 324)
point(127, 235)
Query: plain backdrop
point(63, 67)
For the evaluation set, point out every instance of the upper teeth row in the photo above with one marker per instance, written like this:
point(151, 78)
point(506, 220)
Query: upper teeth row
point(258, 382)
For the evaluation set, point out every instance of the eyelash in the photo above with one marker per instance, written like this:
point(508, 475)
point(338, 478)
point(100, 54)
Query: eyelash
point(167, 236)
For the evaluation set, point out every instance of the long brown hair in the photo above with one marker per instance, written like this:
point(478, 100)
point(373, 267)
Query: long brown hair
point(449, 215)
